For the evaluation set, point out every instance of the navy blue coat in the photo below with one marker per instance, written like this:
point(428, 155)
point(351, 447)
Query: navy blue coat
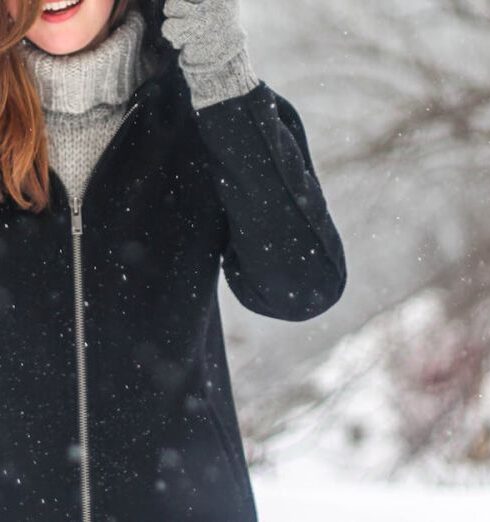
point(176, 195)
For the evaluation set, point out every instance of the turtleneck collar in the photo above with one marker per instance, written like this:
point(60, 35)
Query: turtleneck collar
point(107, 74)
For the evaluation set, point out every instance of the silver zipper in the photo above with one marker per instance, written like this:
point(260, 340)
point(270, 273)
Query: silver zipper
point(75, 203)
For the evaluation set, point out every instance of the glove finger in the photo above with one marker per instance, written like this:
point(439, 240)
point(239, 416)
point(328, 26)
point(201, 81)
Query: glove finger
point(178, 8)
point(179, 30)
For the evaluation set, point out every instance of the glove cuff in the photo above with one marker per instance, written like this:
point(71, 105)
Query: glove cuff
point(235, 78)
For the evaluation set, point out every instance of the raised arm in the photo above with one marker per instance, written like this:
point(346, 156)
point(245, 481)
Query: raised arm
point(283, 256)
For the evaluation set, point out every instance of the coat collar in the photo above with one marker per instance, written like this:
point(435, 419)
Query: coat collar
point(165, 94)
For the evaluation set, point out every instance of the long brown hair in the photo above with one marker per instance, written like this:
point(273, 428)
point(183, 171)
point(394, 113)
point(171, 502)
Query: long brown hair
point(24, 174)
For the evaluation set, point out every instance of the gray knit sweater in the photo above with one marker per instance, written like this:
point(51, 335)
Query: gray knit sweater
point(84, 96)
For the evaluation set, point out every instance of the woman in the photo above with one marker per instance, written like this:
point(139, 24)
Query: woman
point(116, 403)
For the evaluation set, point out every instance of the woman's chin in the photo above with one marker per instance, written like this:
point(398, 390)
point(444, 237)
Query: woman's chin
point(63, 47)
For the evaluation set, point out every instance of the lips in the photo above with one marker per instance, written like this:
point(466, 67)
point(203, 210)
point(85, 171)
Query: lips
point(62, 15)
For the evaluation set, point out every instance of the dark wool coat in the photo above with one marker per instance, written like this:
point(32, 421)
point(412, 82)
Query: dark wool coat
point(177, 195)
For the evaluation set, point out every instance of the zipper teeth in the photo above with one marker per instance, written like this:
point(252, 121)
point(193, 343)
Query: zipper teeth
point(76, 206)
point(82, 379)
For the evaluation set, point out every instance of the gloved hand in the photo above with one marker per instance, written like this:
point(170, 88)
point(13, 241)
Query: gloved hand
point(213, 57)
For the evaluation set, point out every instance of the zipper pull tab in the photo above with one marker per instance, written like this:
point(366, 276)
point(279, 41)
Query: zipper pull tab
point(76, 215)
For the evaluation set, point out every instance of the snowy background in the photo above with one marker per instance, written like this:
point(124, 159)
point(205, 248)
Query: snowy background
point(380, 408)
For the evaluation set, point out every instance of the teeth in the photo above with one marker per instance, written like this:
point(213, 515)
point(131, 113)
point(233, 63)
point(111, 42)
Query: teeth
point(56, 6)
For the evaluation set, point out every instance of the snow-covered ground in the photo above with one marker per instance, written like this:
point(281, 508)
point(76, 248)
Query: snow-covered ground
point(302, 491)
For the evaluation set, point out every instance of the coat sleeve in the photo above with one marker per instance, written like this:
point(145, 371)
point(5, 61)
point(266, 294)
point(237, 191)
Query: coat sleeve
point(283, 256)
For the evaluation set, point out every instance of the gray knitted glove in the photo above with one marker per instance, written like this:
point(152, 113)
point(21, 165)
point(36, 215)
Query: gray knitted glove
point(213, 57)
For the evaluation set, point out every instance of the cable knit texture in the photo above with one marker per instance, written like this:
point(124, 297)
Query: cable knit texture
point(84, 96)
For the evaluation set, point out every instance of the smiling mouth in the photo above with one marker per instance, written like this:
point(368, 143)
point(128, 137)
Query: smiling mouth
point(59, 11)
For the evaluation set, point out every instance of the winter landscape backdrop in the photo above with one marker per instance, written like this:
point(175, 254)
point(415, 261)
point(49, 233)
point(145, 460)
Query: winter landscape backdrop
point(379, 408)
